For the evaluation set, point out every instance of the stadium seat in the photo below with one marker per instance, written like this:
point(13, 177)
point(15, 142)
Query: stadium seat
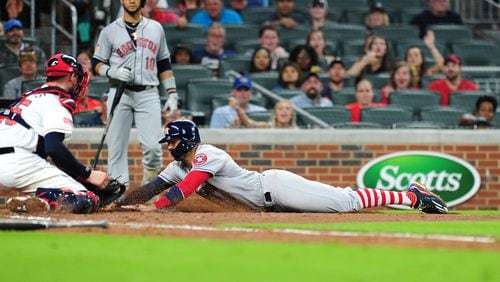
point(200, 93)
point(235, 33)
point(288, 35)
point(356, 15)
point(257, 15)
point(398, 32)
point(400, 5)
point(344, 96)
point(355, 48)
point(378, 80)
point(260, 116)
point(239, 64)
point(466, 100)
point(357, 125)
point(246, 46)
point(496, 119)
point(344, 32)
point(419, 125)
point(7, 73)
point(98, 87)
point(445, 115)
point(183, 73)
point(416, 99)
point(451, 34)
point(267, 79)
point(329, 115)
point(30, 84)
point(285, 94)
point(478, 53)
point(402, 46)
point(387, 116)
point(175, 35)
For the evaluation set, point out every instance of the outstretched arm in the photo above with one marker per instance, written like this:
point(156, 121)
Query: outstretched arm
point(183, 189)
point(143, 193)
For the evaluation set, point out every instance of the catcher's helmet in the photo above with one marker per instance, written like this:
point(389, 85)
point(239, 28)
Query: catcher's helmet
point(186, 131)
point(63, 64)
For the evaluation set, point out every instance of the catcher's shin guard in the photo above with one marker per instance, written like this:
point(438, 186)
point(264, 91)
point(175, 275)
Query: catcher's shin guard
point(67, 200)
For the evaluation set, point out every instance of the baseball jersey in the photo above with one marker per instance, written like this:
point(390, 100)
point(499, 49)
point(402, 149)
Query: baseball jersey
point(117, 48)
point(44, 113)
point(242, 184)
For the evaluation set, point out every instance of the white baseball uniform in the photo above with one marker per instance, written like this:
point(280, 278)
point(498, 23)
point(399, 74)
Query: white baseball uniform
point(140, 103)
point(279, 190)
point(23, 169)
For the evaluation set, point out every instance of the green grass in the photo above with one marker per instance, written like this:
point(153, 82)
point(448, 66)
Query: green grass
point(42, 256)
point(464, 212)
point(470, 228)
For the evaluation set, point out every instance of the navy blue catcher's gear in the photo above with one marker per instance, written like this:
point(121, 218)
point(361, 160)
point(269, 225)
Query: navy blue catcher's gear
point(184, 130)
point(67, 200)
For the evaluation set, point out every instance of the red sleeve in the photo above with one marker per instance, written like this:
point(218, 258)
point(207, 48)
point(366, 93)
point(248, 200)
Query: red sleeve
point(192, 181)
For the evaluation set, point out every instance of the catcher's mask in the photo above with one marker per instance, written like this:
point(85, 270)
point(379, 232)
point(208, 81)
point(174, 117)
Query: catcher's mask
point(63, 64)
point(184, 130)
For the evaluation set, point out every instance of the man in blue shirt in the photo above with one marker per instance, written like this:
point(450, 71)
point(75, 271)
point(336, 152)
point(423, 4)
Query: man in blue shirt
point(311, 93)
point(226, 116)
point(215, 12)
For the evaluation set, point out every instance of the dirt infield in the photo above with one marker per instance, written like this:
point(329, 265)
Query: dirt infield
point(198, 218)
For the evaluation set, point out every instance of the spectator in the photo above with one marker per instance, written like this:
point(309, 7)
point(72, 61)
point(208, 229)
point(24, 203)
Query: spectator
point(269, 39)
point(214, 51)
point(311, 93)
point(215, 12)
point(1, 29)
point(439, 13)
point(305, 57)
point(377, 17)
point(317, 13)
point(316, 40)
point(486, 107)
point(258, 3)
point(86, 103)
point(185, 5)
point(152, 11)
point(453, 81)
point(226, 116)
point(14, 36)
point(377, 59)
point(401, 79)
point(289, 77)
point(415, 56)
point(238, 5)
point(364, 99)
point(28, 69)
point(261, 60)
point(283, 117)
point(285, 15)
point(336, 78)
point(182, 55)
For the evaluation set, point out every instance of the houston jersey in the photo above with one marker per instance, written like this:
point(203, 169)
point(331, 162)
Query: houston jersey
point(227, 175)
point(116, 46)
point(43, 113)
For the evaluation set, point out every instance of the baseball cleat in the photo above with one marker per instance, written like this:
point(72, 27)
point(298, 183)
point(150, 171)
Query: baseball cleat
point(427, 201)
point(27, 204)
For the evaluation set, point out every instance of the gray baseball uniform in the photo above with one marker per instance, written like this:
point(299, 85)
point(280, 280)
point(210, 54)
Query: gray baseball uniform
point(140, 103)
point(279, 189)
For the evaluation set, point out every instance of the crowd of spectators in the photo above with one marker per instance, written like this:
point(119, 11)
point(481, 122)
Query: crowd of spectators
point(313, 67)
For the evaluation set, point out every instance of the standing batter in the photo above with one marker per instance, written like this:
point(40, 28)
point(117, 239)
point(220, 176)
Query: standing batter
point(197, 165)
point(134, 49)
point(34, 128)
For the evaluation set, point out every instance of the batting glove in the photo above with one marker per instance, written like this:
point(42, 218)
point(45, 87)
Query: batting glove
point(122, 74)
point(171, 103)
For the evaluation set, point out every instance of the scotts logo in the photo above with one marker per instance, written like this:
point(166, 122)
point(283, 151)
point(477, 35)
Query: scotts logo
point(451, 178)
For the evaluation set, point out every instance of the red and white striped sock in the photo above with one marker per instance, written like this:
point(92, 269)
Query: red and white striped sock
point(377, 197)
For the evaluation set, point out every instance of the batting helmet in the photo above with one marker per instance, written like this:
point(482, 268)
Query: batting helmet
point(184, 130)
point(64, 64)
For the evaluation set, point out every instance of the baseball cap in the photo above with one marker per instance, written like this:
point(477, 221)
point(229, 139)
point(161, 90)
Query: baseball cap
point(335, 61)
point(377, 6)
point(321, 3)
point(12, 24)
point(309, 75)
point(242, 81)
point(452, 58)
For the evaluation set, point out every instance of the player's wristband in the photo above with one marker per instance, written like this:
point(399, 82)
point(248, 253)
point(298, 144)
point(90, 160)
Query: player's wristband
point(103, 70)
point(171, 198)
point(169, 85)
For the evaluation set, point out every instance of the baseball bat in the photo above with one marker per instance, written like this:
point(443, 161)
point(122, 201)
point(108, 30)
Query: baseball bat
point(118, 95)
point(21, 225)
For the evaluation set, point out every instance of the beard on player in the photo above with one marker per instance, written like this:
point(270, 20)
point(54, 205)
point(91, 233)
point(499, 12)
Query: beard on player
point(132, 12)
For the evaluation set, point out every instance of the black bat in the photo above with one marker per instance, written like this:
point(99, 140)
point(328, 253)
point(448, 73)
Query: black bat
point(24, 224)
point(116, 100)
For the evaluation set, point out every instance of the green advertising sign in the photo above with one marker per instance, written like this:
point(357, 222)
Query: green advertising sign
point(451, 178)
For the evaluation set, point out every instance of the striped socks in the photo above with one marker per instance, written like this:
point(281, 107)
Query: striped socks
point(377, 197)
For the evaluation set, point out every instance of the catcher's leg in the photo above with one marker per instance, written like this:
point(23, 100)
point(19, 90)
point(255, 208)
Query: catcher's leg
point(68, 200)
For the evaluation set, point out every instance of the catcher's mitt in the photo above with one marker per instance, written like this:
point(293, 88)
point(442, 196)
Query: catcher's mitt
point(113, 191)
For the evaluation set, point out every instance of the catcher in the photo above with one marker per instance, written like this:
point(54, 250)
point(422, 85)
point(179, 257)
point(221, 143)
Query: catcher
point(198, 166)
point(34, 128)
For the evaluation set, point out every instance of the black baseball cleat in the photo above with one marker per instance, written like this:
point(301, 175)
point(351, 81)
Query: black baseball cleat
point(427, 201)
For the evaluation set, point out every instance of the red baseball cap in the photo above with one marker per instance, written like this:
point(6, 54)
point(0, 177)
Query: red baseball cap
point(453, 58)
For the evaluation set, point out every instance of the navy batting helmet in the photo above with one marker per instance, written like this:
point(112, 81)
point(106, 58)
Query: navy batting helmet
point(184, 130)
